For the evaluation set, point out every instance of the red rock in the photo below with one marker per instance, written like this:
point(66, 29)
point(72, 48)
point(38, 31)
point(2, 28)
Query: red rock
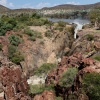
point(46, 95)
point(14, 83)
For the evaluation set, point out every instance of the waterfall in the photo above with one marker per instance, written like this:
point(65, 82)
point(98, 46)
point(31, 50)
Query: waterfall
point(78, 27)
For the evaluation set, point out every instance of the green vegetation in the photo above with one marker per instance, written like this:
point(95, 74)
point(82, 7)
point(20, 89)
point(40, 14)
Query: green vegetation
point(90, 37)
point(68, 77)
point(14, 55)
point(61, 24)
point(97, 57)
point(44, 68)
point(95, 15)
point(63, 13)
point(91, 85)
point(14, 40)
point(48, 34)
point(6, 25)
point(33, 34)
point(59, 98)
point(37, 89)
point(20, 21)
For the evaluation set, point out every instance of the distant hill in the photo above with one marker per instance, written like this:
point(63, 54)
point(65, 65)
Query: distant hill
point(23, 10)
point(3, 9)
point(73, 7)
point(64, 6)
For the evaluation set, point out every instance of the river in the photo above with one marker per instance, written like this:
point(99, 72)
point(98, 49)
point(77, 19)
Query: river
point(79, 22)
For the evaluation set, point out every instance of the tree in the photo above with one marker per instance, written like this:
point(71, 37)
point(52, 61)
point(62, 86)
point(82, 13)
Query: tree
point(91, 85)
point(68, 77)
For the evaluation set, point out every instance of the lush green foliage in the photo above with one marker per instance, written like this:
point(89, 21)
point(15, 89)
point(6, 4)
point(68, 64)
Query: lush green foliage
point(14, 40)
point(7, 25)
point(14, 55)
point(68, 77)
point(43, 69)
point(91, 85)
point(17, 22)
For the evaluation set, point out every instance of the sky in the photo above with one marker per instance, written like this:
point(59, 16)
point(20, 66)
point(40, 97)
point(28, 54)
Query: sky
point(15, 4)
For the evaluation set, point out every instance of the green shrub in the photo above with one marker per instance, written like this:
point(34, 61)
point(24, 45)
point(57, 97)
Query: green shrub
point(43, 69)
point(48, 33)
point(38, 22)
point(97, 57)
point(90, 37)
point(17, 57)
point(2, 32)
point(33, 34)
point(68, 77)
point(12, 22)
point(37, 89)
point(28, 31)
point(14, 40)
point(14, 55)
point(1, 46)
point(11, 50)
point(32, 38)
point(61, 24)
point(4, 28)
point(91, 85)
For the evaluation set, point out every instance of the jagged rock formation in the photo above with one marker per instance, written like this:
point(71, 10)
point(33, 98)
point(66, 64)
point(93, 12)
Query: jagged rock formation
point(14, 84)
point(45, 50)
point(84, 65)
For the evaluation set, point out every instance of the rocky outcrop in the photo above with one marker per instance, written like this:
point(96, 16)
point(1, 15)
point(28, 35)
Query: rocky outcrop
point(88, 43)
point(84, 65)
point(46, 95)
point(14, 84)
point(45, 50)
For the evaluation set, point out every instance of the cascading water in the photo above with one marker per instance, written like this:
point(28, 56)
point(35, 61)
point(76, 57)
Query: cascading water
point(78, 27)
point(78, 22)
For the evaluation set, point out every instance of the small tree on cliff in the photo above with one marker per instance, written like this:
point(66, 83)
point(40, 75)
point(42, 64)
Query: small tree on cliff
point(68, 77)
point(91, 85)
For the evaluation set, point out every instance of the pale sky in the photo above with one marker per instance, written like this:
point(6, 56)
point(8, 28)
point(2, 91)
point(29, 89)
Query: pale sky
point(42, 3)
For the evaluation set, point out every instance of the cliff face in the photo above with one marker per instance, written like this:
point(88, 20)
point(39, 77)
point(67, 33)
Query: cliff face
point(84, 65)
point(45, 50)
point(88, 43)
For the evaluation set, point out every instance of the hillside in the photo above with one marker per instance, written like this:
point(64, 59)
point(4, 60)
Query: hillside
point(73, 7)
point(3, 9)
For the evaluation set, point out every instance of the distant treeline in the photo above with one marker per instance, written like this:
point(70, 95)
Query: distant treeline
point(64, 14)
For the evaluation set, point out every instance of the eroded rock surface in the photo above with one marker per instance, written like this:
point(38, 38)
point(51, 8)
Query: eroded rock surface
point(84, 65)
point(14, 84)
point(46, 95)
